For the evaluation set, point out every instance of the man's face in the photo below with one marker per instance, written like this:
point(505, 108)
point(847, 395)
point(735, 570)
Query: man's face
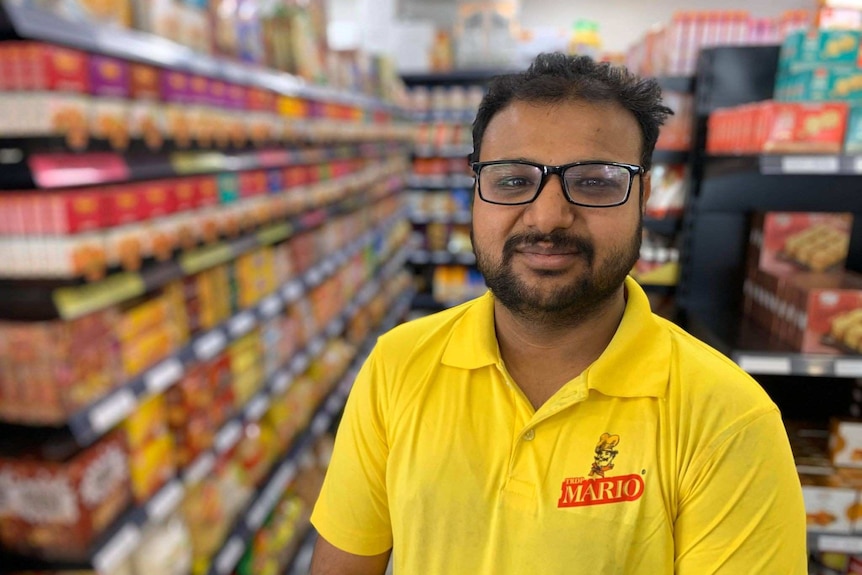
point(552, 259)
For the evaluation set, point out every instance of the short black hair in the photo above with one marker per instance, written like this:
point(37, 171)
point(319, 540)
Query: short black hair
point(556, 77)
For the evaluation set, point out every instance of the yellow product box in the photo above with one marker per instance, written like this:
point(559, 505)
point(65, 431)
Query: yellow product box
point(146, 423)
point(151, 466)
point(147, 349)
point(142, 317)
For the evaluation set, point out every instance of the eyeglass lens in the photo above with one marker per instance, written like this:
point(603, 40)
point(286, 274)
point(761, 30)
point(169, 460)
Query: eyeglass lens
point(588, 184)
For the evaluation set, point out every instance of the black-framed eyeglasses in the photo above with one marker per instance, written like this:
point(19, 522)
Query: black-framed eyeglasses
point(589, 184)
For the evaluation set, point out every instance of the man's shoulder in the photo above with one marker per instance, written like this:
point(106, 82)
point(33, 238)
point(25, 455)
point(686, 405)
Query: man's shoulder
point(427, 331)
point(710, 374)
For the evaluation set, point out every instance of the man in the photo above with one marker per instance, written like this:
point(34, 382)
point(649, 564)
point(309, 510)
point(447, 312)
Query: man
point(555, 425)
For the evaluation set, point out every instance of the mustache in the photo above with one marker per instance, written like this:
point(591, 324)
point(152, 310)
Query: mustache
point(558, 239)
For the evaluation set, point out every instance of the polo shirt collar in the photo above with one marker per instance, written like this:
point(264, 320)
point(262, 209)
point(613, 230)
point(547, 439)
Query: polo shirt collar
point(635, 363)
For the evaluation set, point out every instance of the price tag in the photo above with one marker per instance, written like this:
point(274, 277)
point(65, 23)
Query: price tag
point(316, 346)
point(840, 544)
point(320, 424)
point(765, 365)
point(333, 405)
point(857, 164)
point(270, 306)
point(229, 555)
point(281, 382)
point(241, 324)
point(256, 515)
point(200, 468)
point(329, 267)
point(810, 164)
point(164, 375)
point(112, 410)
point(314, 276)
point(228, 437)
point(209, 345)
point(292, 291)
point(335, 327)
point(257, 407)
point(165, 501)
point(108, 558)
point(848, 367)
point(299, 364)
point(284, 476)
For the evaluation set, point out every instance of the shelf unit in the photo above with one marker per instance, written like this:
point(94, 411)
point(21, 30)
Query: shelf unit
point(725, 191)
point(40, 163)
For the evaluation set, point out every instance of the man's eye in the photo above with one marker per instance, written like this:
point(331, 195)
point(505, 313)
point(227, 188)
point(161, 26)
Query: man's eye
point(514, 182)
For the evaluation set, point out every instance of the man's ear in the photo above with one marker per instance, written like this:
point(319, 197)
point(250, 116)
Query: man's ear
point(646, 187)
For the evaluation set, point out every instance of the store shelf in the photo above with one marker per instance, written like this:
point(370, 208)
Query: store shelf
point(755, 351)
point(33, 23)
point(464, 77)
point(780, 183)
point(835, 543)
point(424, 257)
point(442, 152)
point(426, 218)
point(301, 562)
point(94, 421)
point(58, 299)
point(439, 182)
point(63, 170)
point(253, 517)
point(667, 226)
point(123, 537)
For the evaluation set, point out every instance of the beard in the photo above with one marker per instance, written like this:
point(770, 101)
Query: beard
point(568, 304)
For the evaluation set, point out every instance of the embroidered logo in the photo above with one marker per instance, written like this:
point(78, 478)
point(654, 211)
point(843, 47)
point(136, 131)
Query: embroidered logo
point(597, 489)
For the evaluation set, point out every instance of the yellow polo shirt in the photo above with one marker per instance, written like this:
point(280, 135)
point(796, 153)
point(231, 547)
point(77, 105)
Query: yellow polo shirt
point(662, 457)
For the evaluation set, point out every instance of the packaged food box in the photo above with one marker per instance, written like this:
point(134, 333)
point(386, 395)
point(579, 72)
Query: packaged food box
point(803, 49)
point(845, 442)
point(786, 242)
point(52, 68)
point(109, 77)
point(50, 370)
point(824, 308)
point(57, 509)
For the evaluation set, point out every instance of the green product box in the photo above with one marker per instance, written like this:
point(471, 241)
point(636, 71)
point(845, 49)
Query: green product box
point(228, 188)
point(835, 49)
point(853, 135)
point(821, 84)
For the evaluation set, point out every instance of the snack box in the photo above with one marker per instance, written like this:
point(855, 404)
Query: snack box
point(803, 49)
point(44, 67)
point(57, 509)
point(788, 242)
point(825, 311)
point(845, 442)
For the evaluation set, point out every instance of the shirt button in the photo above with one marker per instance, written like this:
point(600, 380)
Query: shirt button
point(529, 435)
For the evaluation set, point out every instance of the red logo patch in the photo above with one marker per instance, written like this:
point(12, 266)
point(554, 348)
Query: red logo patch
point(581, 491)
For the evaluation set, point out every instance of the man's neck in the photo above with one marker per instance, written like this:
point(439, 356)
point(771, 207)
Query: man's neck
point(541, 358)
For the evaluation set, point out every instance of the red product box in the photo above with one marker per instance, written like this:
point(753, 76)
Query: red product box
point(71, 212)
point(295, 176)
point(52, 68)
point(175, 87)
point(158, 199)
point(207, 192)
point(144, 82)
point(827, 313)
point(109, 77)
point(185, 194)
point(786, 242)
point(124, 205)
point(252, 184)
point(9, 66)
point(57, 509)
point(808, 127)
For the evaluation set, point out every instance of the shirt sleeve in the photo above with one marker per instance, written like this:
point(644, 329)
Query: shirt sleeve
point(352, 511)
point(741, 508)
